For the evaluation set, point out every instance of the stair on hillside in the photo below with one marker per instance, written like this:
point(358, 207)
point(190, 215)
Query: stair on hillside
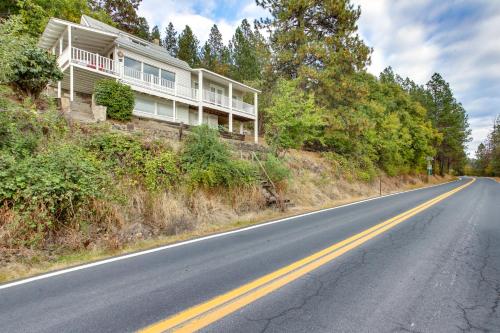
point(271, 196)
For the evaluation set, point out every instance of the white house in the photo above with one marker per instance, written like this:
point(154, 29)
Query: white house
point(165, 87)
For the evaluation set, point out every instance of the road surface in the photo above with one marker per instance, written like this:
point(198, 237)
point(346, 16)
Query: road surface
point(420, 261)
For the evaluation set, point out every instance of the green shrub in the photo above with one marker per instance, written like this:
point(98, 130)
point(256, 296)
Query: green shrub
point(276, 169)
point(208, 162)
point(123, 153)
point(351, 167)
point(58, 181)
point(117, 97)
point(230, 174)
point(21, 131)
point(34, 69)
point(161, 172)
point(204, 148)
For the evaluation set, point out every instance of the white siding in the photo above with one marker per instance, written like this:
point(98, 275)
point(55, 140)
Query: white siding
point(182, 76)
point(182, 113)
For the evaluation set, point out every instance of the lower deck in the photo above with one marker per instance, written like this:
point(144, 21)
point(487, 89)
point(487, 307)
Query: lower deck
point(154, 105)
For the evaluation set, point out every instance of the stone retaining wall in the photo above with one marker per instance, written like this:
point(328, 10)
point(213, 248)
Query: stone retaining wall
point(171, 131)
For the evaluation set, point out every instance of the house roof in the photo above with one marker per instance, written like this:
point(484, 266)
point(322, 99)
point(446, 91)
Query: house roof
point(56, 27)
point(136, 44)
point(215, 76)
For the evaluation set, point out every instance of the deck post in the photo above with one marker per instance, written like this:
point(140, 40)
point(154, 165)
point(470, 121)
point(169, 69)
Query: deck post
point(241, 127)
point(230, 107)
point(200, 97)
point(60, 52)
point(174, 110)
point(71, 85)
point(256, 123)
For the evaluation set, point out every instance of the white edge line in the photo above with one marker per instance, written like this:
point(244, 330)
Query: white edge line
point(165, 247)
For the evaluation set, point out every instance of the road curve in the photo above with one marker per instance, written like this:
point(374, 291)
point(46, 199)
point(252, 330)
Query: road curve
point(438, 271)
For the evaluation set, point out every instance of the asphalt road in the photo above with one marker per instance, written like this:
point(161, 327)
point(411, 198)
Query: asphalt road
point(438, 271)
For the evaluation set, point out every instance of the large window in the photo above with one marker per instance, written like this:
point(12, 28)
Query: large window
point(144, 105)
point(167, 75)
point(166, 109)
point(148, 69)
point(134, 64)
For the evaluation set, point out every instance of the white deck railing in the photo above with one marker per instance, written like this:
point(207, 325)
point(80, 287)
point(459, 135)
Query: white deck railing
point(154, 82)
point(97, 62)
point(243, 107)
point(93, 60)
point(215, 98)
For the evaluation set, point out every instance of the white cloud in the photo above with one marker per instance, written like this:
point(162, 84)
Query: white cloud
point(200, 15)
point(456, 39)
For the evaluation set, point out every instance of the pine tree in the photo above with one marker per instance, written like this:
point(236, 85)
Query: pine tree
point(214, 54)
point(124, 14)
point(155, 34)
point(170, 41)
point(246, 66)
point(450, 119)
point(188, 46)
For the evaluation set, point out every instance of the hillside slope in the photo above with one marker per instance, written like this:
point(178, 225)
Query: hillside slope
point(72, 193)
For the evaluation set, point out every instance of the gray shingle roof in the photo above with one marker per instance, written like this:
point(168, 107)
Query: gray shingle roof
point(145, 48)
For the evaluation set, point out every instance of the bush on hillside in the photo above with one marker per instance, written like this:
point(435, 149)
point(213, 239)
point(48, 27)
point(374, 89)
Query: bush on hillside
point(161, 172)
point(120, 152)
point(21, 131)
point(352, 168)
point(208, 162)
point(57, 182)
point(33, 70)
point(117, 97)
point(276, 169)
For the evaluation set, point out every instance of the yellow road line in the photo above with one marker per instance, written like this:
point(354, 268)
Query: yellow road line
point(206, 313)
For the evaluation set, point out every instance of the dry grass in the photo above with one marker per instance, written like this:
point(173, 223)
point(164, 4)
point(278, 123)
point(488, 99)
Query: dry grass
point(148, 219)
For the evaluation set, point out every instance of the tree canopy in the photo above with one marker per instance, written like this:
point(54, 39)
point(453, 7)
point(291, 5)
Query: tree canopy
point(188, 47)
point(310, 63)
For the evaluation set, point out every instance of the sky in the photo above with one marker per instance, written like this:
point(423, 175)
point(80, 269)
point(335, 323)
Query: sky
point(458, 38)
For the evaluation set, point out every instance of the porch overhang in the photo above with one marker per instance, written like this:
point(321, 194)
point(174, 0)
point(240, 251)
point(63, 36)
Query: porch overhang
point(90, 39)
point(224, 80)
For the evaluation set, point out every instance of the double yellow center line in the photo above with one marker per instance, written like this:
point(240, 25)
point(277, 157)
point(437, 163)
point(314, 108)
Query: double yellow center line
point(206, 313)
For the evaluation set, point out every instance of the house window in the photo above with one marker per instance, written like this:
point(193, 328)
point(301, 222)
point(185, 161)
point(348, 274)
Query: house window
point(167, 75)
point(217, 93)
point(151, 73)
point(144, 105)
point(166, 109)
point(133, 64)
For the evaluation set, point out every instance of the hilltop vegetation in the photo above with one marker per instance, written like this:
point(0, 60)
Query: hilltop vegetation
point(487, 161)
point(313, 53)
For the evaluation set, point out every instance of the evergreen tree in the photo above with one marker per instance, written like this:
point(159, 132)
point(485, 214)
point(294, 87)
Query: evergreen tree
point(246, 66)
point(450, 119)
point(214, 54)
point(170, 41)
point(124, 14)
point(487, 161)
point(188, 46)
point(316, 42)
point(155, 34)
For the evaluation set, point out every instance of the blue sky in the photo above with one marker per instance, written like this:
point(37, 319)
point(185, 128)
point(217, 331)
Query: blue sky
point(458, 38)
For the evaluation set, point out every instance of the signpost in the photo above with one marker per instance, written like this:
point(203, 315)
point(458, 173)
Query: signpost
point(429, 159)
